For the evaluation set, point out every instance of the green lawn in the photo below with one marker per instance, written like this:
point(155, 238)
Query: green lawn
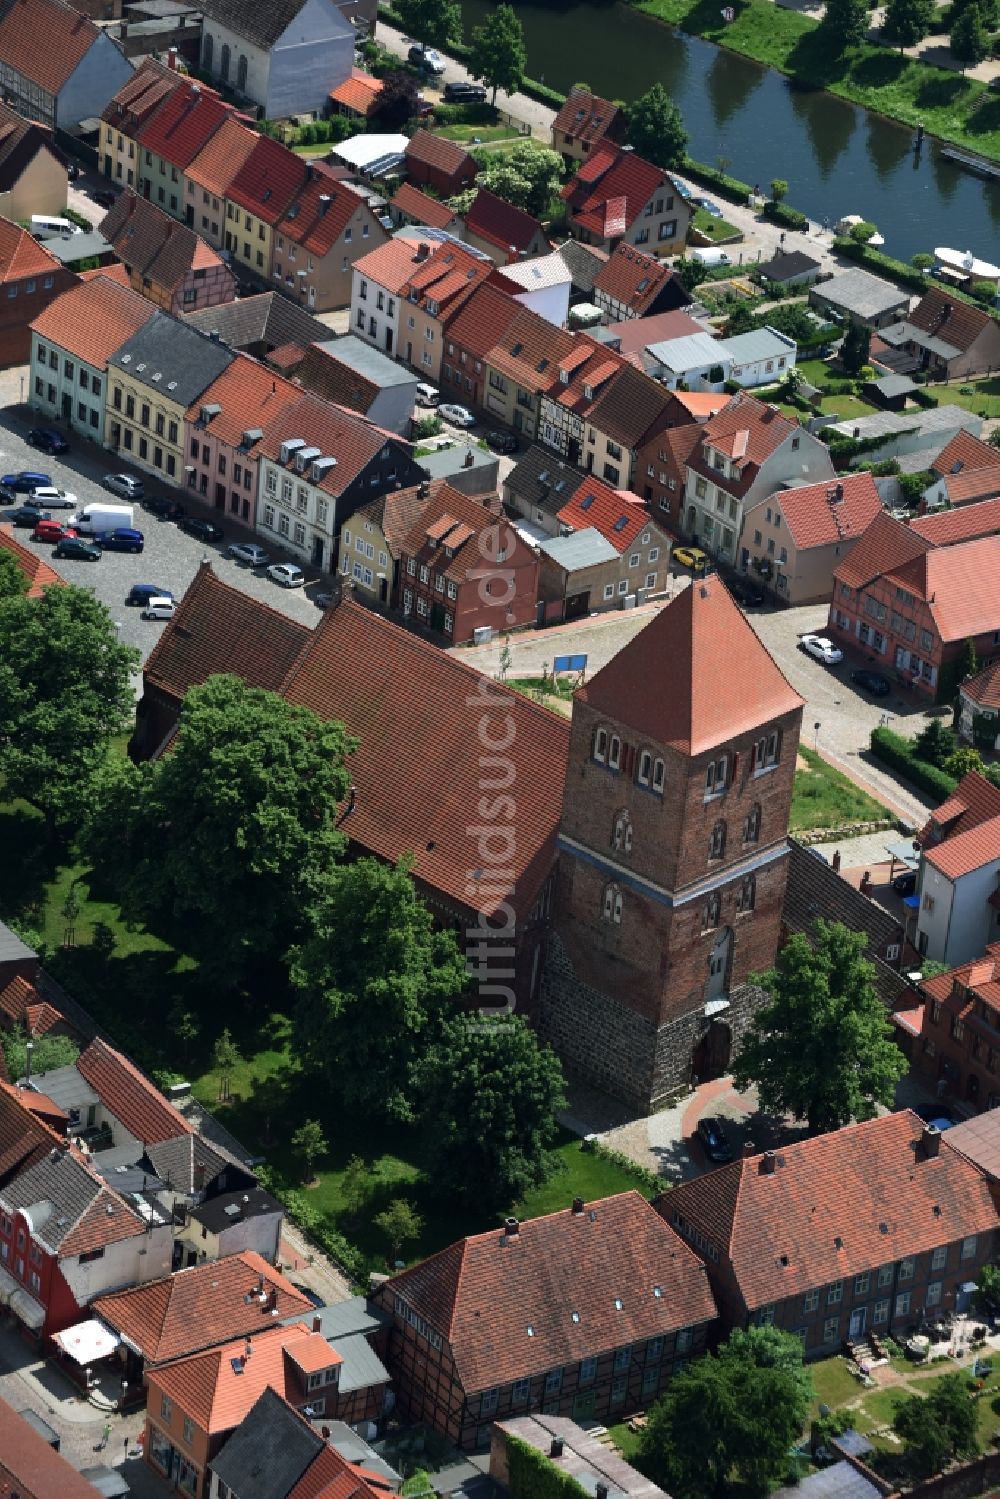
point(626, 1441)
point(824, 798)
point(715, 228)
point(476, 134)
point(833, 1384)
point(948, 103)
point(981, 396)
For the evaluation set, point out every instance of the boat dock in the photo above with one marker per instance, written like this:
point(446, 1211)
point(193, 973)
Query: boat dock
point(971, 162)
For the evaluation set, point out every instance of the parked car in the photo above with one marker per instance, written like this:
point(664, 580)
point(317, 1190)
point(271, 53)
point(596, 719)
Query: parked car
point(78, 550)
point(141, 593)
point(459, 416)
point(125, 485)
point(166, 509)
point(28, 515)
point(322, 600)
point(502, 442)
point(248, 552)
point(54, 499)
point(48, 440)
point(104, 197)
point(464, 93)
point(746, 592)
point(712, 1139)
point(692, 557)
point(427, 58)
point(821, 649)
point(159, 608)
point(905, 883)
point(51, 530)
point(121, 539)
point(7, 495)
point(934, 1113)
point(205, 530)
point(26, 480)
point(708, 206)
point(288, 574)
point(426, 395)
point(872, 681)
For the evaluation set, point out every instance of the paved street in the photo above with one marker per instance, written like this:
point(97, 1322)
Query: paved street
point(170, 558)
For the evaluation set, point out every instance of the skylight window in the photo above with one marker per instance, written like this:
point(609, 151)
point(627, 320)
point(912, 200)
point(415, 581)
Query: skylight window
point(517, 349)
point(621, 523)
point(586, 502)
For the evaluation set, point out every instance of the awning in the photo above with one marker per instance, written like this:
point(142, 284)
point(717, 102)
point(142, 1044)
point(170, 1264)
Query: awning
point(88, 1341)
point(912, 901)
point(30, 1311)
point(904, 853)
point(107, 1481)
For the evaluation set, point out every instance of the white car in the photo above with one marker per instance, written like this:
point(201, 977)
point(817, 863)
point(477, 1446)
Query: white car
point(287, 574)
point(822, 649)
point(248, 552)
point(54, 499)
point(459, 416)
point(160, 609)
point(427, 395)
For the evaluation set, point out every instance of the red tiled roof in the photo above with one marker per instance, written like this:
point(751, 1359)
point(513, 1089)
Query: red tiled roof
point(452, 519)
point(449, 276)
point(22, 256)
point(964, 489)
point(201, 1306)
point(222, 157)
point(24, 1006)
point(670, 452)
point(956, 323)
point(31, 1468)
point(961, 853)
point(481, 321)
point(337, 432)
point(965, 453)
point(834, 1206)
point(958, 584)
point(984, 687)
point(884, 546)
point(129, 1096)
point(443, 155)
point(530, 349)
point(24, 1138)
point(823, 514)
point(694, 677)
point(390, 265)
point(268, 180)
point(139, 95)
point(629, 406)
point(974, 800)
point(115, 272)
point(501, 224)
point(249, 394)
point(959, 988)
point(943, 528)
point(585, 117)
point(635, 333)
point(415, 205)
point(148, 241)
point(506, 1303)
point(318, 215)
point(359, 93)
point(618, 514)
point(97, 1227)
point(636, 279)
point(748, 431)
point(34, 566)
point(184, 124)
point(610, 190)
point(45, 41)
point(223, 629)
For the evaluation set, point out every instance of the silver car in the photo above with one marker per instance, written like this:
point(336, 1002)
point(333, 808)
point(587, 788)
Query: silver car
point(125, 485)
point(248, 552)
point(288, 574)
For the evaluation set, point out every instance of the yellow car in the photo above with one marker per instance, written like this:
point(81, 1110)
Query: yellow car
point(692, 557)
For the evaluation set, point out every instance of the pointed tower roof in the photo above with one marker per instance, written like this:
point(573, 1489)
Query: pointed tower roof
point(695, 677)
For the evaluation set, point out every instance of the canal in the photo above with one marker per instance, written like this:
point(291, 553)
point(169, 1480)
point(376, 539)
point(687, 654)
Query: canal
point(836, 157)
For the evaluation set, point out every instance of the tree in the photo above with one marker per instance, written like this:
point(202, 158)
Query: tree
point(234, 831)
point(225, 1059)
point(526, 176)
point(969, 39)
point(846, 22)
point(397, 101)
point(823, 1048)
point(779, 189)
point(940, 1427)
point(740, 320)
point(184, 1025)
point(921, 261)
point(988, 1288)
point(728, 1419)
point(499, 57)
point(855, 348)
point(927, 1444)
point(370, 978)
point(862, 232)
point(65, 690)
point(907, 22)
point(655, 128)
point(935, 743)
point(355, 1185)
point(962, 760)
point(47, 1052)
point(13, 581)
point(401, 1224)
point(308, 1144)
point(433, 22)
point(968, 662)
point(489, 1095)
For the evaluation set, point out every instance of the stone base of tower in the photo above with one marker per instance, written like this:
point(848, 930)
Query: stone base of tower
point(613, 1048)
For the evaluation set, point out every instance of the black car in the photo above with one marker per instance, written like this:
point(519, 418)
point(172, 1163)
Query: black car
point(873, 682)
point(28, 515)
point(501, 442)
point(141, 593)
point(103, 197)
point(7, 495)
point(48, 440)
point(161, 505)
point(205, 530)
point(747, 593)
point(76, 547)
point(712, 1138)
point(464, 93)
point(905, 883)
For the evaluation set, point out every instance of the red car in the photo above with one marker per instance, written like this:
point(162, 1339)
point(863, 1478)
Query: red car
point(51, 530)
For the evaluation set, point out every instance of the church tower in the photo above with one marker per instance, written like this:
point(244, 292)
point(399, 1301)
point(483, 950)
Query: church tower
point(672, 851)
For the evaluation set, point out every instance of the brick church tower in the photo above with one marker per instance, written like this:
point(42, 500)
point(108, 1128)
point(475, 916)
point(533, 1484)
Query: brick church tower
point(672, 851)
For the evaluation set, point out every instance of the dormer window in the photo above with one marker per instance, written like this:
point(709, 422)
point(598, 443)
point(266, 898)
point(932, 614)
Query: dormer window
point(645, 768)
point(600, 750)
point(658, 775)
point(615, 753)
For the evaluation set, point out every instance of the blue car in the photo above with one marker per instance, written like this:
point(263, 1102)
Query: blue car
point(121, 539)
point(48, 440)
point(26, 481)
point(141, 593)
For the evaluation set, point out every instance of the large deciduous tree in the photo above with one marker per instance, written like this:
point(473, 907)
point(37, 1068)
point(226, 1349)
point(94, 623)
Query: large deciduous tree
point(855, 348)
point(433, 22)
point(12, 580)
point(939, 1427)
point(499, 57)
point(969, 39)
point(822, 1049)
point(371, 977)
point(489, 1095)
point(728, 1420)
point(65, 690)
point(907, 22)
point(526, 175)
point(846, 22)
point(655, 128)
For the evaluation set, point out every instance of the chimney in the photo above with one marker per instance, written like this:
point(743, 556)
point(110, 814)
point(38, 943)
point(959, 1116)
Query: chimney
point(838, 494)
point(172, 59)
point(577, 1207)
point(511, 1227)
point(469, 459)
point(767, 1162)
point(556, 1447)
point(931, 1141)
point(324, 202)
point(214, 335)
point(248, 1349)
point(317, 1322)
point(423, 251)
point(272, 1299)
point(600, 1491)
point(749, 1149)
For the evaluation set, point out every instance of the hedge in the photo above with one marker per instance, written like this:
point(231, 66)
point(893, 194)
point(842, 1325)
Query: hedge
point(301, 1210)
point(530, 1475)
point(462, 52)
point(788, 218)
point(727, 187)
point(898, 753)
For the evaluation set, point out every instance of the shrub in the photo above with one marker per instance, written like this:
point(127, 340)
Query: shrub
point(789, 218)
point(898, 753)
point(726, 186)
point(298, 1207)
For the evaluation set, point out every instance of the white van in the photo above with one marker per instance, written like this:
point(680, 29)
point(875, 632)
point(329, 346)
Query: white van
point(160, 608)
point(710, 257)
point(45, 226)
point(427, 395)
